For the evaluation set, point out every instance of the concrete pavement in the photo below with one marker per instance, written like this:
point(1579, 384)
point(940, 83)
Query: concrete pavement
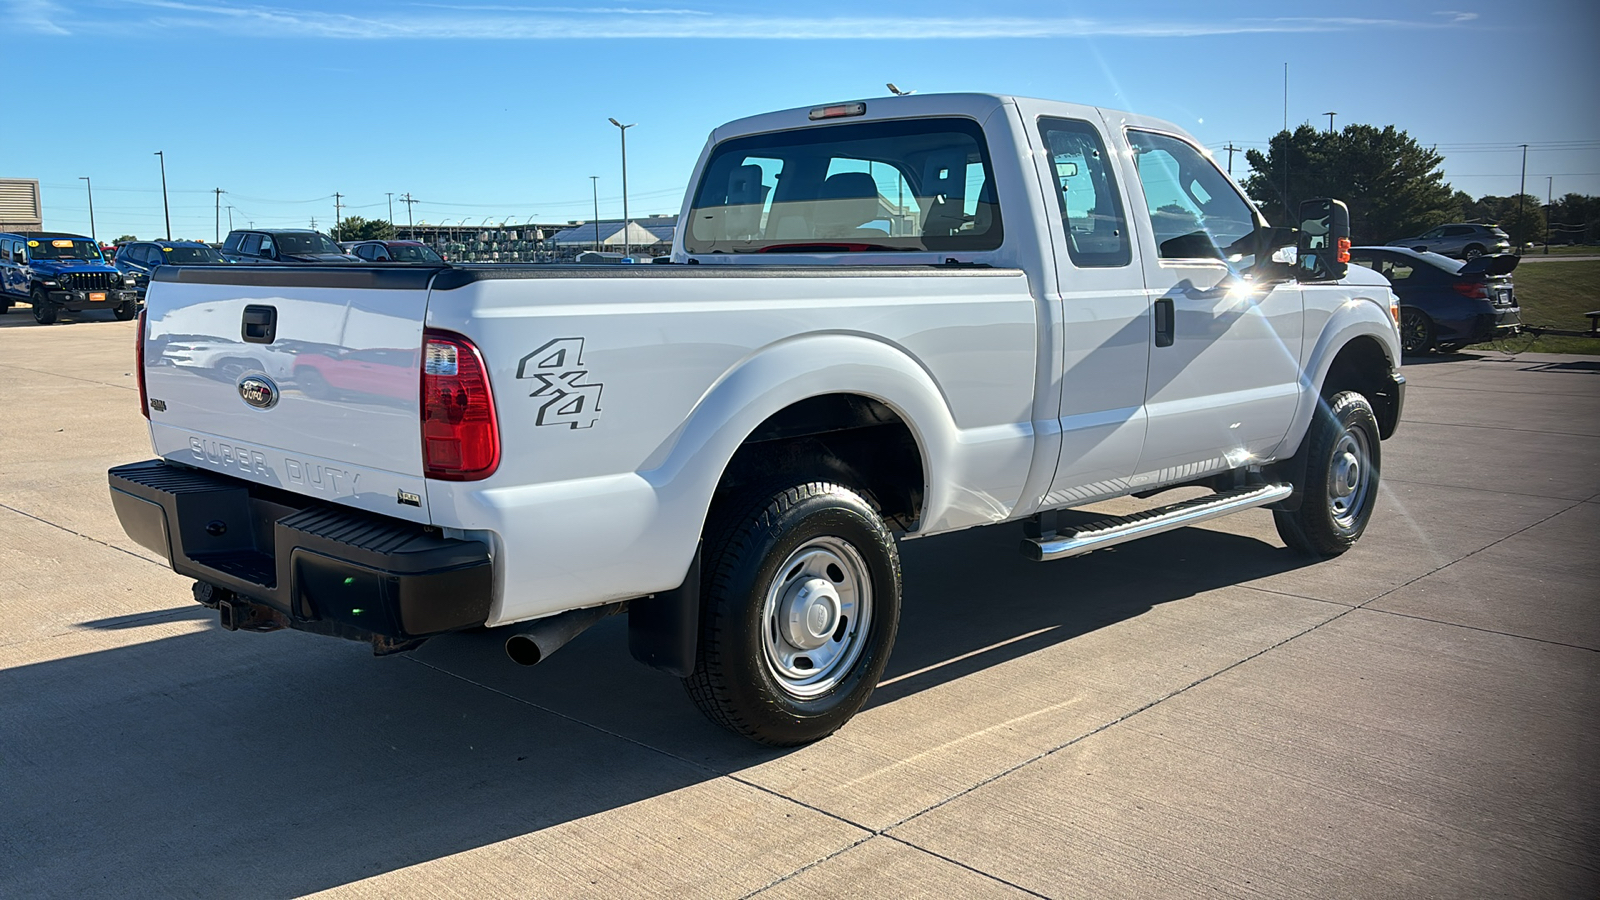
point(1202, 713)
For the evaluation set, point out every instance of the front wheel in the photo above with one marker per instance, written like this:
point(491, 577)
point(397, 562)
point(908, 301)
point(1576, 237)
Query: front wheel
point(1339, 484)
point(43, 311)
point(800, 602)
point(1472, 252)
point(126, 311)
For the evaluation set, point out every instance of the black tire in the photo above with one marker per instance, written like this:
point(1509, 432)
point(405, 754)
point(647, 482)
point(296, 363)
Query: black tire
point(1416, 331)
point(1336, 474)
point(1448, 346)
point(44, 312)
point(772, 553)
point(1473, 251)
point(5, 307)
point(126, 311)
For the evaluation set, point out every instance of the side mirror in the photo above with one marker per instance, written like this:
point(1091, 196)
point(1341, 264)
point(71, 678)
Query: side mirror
point(1323, 249)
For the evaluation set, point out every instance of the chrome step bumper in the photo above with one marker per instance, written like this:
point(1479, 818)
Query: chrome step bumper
point(1120, 529)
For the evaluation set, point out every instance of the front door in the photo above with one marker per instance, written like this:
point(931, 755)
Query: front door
point(1224, 352)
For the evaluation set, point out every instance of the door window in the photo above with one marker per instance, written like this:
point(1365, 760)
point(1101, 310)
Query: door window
point(266, 246)
point(1091, 210)
point(251, 245)
point(1195, 212)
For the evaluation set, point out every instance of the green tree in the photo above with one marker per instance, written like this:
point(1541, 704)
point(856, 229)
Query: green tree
point(126, 238)
point(1393, 185)
point(356, 228)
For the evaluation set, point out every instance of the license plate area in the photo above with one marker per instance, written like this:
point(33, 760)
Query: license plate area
point(97, 297)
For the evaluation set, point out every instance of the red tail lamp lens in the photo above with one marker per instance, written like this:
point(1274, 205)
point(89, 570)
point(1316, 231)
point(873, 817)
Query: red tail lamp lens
point(460, 435)
point(1473, 289)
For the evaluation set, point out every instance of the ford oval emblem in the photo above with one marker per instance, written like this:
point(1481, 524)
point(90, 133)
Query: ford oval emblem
point(259, 391)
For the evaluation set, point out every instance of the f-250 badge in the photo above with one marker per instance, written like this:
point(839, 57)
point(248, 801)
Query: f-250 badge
point(558, 367)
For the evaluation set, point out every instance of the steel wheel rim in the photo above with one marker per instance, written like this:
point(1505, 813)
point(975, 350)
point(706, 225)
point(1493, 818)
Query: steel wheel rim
point(816, 616)
point(1350, 478)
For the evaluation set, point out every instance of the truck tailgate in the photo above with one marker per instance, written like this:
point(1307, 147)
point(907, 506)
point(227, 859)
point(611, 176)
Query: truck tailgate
point(306, 379)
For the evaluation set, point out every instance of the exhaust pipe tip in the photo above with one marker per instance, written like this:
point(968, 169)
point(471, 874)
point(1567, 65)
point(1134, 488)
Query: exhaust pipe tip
point(524, 650)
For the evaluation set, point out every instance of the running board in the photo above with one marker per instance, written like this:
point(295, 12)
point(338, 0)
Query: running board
point(1121, 529)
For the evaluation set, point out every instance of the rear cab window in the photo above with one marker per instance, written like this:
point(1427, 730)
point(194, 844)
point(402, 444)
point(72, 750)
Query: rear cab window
point(922, 184)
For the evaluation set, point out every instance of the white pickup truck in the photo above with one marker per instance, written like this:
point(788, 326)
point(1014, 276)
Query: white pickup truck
point(884, 319)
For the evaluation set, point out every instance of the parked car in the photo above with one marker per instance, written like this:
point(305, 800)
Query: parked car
point(1446, 304)
point(140, 258)
point(288, 246)
point(397, 251)
point(1461, 240)
point(53, 271)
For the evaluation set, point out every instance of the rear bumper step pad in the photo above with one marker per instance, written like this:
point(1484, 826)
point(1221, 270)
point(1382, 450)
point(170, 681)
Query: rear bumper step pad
point(310, 561)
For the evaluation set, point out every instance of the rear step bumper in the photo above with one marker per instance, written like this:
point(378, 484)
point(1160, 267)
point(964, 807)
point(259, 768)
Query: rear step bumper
point(1120, 529)
point(324, 568)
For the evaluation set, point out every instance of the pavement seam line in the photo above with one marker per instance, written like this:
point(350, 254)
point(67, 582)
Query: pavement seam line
point(68, 377)
point(1458, 487)
point(84, 536)
point(1159, 700)
point(1522, 637)
point(642, 745)
point(969, 868)
point(1575, 434)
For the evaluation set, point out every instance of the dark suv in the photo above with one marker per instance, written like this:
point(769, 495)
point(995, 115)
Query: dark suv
point(288, 246)
point(54, 271)
point(1462, 241)
point(140, 258)
point(396, 251)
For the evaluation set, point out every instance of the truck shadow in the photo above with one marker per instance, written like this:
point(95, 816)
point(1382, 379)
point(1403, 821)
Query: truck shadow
point(246, 765)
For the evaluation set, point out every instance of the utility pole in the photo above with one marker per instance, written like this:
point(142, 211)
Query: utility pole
point(165, 208)
point(408, 201)
point(313, 223)
point(90, 185)
point(336, 198)
point(390, 195)
point(594, 183)
point(1330, 116)
point(1549, 204)
point(1522, 190)
point(1287, 143)
point(1231, 150)
point(230, 216)
point(219, 192)
point(627, 248)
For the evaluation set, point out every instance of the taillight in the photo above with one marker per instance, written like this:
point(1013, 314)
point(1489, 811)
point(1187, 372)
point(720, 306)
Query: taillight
point(1476, 290)
point(460, 436)
point(138, 364)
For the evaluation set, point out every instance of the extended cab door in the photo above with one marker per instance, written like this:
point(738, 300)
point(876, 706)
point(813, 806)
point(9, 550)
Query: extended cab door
point(1224, 354)
point(1104, 314)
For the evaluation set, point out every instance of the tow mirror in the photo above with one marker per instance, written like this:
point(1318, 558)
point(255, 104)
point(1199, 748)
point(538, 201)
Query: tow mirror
point(1323, 250)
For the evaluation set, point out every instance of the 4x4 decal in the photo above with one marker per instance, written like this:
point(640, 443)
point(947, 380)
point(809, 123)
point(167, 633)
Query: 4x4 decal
point(557, 366)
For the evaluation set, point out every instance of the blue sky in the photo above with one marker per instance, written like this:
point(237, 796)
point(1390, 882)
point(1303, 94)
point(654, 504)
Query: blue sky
point(498, 108)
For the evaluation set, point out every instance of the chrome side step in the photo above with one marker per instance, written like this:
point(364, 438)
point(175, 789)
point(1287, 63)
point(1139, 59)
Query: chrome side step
point(1120, 529)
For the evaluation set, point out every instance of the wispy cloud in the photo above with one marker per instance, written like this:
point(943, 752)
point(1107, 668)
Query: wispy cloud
point(37, 16)
point(1456, 15)
point(489, 21)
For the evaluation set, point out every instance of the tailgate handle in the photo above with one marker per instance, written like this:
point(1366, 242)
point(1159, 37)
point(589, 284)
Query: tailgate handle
point(260, 325)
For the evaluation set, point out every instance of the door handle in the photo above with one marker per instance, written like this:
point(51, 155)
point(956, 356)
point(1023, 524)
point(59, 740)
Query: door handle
point(1165, 314)
point(259, 324)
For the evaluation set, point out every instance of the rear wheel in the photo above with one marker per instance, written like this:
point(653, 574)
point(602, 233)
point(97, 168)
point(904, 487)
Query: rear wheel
point(1416, 331)
point(1338, 485)
point(44, 312)
point(800, 604)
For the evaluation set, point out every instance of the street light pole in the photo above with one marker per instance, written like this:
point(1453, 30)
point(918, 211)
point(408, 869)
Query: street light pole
point(390, 195)
point(1522, 190)
point(165, 207)
point(623, 129)
point(218, 214)
point(594, 183)
point(1330, 116)
point(90, 185)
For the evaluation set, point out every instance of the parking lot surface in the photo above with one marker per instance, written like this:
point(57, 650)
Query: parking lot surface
point(1201, 713)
